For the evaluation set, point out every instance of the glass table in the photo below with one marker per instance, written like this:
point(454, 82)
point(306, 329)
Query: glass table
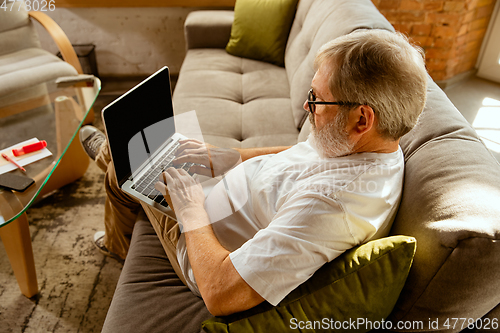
point(54, 114)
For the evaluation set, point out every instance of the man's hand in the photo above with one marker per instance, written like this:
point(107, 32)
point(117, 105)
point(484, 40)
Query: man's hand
point(214, 161)
point(186, 197)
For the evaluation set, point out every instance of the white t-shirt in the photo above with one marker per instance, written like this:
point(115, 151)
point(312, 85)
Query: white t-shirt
point(282, 216)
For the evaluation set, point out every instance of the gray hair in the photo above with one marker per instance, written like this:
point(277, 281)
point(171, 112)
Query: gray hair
point(380, 69)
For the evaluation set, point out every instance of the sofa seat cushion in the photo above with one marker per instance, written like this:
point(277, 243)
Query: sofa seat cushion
point(239, 102)
point(147, 289)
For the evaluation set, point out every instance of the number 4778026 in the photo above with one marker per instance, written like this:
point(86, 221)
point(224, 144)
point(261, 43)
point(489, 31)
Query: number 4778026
point(35, 5)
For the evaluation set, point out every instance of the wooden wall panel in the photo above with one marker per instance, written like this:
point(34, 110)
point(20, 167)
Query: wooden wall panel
point(147, 3)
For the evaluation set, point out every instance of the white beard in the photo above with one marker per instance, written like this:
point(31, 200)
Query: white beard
point(331, 140)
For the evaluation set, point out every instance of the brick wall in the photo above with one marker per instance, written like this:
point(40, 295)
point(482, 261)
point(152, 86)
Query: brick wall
point(451, 32)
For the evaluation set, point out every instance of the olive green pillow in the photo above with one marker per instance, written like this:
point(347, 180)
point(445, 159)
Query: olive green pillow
point(364, 282)
point(260, 29)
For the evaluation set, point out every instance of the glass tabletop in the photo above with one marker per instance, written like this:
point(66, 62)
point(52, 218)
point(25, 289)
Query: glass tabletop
point(43, 112)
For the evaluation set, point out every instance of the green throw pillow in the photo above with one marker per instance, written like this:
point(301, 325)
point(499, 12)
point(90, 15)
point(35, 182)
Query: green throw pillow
point(358, 288)
point(260, 29)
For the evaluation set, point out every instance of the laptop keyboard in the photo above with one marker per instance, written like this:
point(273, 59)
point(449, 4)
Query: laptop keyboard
point(146, 183)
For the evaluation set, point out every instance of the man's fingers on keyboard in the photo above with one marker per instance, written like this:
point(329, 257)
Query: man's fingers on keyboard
point(190, 141)
point(201, 170)
point(161, 178)
point(189, 144)
point(202, 151)
point(161, 187)
point(193, 158)
point(167, 176)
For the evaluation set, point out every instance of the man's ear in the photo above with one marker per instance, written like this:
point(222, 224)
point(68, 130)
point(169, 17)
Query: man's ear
point(362, 119)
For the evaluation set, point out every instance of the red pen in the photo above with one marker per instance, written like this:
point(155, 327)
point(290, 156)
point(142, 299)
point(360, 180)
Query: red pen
point(29, 148)
point(12, 161)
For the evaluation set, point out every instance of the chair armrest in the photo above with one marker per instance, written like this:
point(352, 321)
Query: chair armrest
point(59, 37)
point(208, 28)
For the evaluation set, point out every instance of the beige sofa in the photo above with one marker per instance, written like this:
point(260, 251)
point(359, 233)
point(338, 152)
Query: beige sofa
point(451, 196)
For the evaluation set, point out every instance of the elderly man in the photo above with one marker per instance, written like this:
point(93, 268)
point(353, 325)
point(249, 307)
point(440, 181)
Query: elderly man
point(302, 206)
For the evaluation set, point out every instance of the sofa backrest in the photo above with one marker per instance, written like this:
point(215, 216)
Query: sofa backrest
point(451, 195)
point(317, 22)
point(16, 30)
point(451, 205)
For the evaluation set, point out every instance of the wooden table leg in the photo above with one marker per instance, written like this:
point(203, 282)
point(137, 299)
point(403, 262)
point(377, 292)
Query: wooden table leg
point(75, 161)
point(17, 241)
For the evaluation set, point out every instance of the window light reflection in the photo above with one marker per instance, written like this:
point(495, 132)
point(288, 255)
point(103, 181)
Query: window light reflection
point(487, 123)
point(491, 102)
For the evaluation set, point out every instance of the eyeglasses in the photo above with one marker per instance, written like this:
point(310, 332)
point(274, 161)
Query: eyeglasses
point(311, 101)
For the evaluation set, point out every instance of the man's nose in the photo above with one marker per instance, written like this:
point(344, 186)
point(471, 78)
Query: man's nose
point(306, 106)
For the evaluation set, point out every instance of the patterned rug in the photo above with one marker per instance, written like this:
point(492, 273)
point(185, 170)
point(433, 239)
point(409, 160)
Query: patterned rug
point(75, 280)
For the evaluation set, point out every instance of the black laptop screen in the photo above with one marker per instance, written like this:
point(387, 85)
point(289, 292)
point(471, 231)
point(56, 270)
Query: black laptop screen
point(139, 122)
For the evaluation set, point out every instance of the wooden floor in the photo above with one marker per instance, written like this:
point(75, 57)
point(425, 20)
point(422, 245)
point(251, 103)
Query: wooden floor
point(76, 282)
point(479, 102)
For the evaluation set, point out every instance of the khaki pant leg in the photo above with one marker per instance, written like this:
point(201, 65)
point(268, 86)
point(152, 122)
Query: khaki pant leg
point(168, 232)
point(120, 214)
point(120, 209)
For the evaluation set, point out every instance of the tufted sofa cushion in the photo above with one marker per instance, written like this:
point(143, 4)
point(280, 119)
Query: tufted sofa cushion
point(239, 102)
point(247, 103)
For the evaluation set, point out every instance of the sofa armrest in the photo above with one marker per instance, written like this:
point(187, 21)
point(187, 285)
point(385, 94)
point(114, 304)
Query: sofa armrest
point(208, 28)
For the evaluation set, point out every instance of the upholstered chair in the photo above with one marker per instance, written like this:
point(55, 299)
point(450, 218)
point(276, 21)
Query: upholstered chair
point(23, 62)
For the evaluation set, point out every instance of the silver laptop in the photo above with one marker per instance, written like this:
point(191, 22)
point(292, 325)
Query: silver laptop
point(142, 139)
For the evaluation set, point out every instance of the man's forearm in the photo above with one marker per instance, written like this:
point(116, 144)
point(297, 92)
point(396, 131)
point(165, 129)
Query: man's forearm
point(222, 288)
point(247, 153)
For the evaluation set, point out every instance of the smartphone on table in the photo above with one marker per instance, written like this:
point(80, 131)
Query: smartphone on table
point(15, 182)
